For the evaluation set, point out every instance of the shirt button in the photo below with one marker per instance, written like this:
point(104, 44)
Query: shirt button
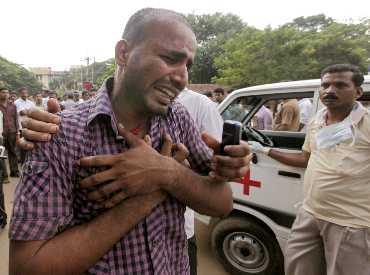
point(154, 243)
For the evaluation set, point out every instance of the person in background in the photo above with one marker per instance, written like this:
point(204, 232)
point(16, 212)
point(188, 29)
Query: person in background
point(13, 96)
point(263, 119)
point(76, 97)
point(3, 215)
point(10, 130)
point(208, 120)
point(305, 107)
point(23, 103)
point(331, 232)
point(69, 102)
point(219, 95)
point(38, 101)
point(85, 95)
point(209, 95)
point(52, 94)
point(287, 116)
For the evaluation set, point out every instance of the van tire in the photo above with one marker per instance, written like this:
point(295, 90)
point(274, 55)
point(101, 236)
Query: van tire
point(245, 247)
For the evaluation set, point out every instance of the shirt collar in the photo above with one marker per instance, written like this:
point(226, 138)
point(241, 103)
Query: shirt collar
point(101, 105)
point(356, 114)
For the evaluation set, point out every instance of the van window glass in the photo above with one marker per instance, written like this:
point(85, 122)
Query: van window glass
point(240, 108)
point(291, 114)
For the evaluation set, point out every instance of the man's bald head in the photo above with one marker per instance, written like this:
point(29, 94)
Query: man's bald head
point(135, 29)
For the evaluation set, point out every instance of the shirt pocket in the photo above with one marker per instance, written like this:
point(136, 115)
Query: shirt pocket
point(36, 175)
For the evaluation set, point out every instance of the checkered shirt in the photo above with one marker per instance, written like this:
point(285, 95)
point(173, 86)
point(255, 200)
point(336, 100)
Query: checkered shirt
point(48, 200)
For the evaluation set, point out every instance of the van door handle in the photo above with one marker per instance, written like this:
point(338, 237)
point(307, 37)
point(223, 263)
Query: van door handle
point(289, 174)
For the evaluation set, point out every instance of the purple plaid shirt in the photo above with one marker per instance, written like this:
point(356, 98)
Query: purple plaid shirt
point(48, 201)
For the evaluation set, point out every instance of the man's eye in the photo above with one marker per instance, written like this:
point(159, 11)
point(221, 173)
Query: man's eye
point(324, 85)
point(168, 59)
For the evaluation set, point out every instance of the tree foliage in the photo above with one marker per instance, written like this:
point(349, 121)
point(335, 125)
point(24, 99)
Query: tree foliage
point(14, 76)
point(212, 31)
point(297, 50)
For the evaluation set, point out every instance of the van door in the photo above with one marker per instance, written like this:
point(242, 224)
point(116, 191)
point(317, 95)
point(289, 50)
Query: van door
point(270, 186)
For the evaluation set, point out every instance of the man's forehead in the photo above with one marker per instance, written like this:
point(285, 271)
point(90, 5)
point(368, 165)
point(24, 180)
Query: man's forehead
point(337, 77)
point(170, 28)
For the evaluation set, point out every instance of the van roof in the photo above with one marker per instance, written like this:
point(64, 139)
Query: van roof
point(310, 83)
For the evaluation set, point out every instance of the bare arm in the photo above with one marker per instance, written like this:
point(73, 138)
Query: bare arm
point(204, 194)
point(292, 159)
point(80, 247)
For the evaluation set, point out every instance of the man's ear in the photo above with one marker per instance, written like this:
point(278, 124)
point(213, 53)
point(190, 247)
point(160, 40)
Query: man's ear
point(121, 53)
point(359, 92)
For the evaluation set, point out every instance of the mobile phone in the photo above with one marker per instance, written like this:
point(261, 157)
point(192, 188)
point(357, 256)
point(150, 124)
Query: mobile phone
point(231, 134)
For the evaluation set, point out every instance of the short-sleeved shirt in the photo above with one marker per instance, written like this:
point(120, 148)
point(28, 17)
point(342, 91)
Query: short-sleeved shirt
point(305, 112)
point(207, 118)
point(288, 115)
point(23, 104)
point(263, 119)
point(337, 180)
point(48, 200)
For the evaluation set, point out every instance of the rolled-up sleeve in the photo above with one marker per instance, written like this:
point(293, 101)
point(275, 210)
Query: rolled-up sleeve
point(43, 197)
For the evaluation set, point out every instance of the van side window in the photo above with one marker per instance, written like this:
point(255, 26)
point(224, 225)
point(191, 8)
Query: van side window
point(292, 115)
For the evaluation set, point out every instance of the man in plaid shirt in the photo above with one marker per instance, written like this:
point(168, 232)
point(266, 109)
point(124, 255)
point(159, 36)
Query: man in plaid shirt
point(99, 198)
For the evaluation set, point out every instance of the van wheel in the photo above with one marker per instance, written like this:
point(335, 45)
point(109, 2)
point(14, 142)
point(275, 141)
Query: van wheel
point(244, 247)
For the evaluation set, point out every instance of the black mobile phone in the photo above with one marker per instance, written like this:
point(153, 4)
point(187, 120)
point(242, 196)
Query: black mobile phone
point(231, 134)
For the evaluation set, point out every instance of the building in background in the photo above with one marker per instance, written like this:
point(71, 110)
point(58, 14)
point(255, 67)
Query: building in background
point(46, 76)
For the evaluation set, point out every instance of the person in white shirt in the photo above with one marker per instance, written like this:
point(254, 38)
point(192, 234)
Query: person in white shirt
point(22, 104)
point(207, 118)
point(305, 111)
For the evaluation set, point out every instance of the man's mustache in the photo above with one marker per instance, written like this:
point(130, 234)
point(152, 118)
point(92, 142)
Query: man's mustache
point(330, 96)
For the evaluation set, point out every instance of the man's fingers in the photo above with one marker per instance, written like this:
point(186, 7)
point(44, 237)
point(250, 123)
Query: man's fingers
point(25, 145)
point(167, 145)
point(223, 173)
point(97, 161)
point(41, 115)
point(35, 136)
point(116, 199)
point(180, 152)
point(211, 142)
point(103, 192)
point(232, 162)
point(39, 126)
point(237, 150)
point(98, 179)
point(131, 139)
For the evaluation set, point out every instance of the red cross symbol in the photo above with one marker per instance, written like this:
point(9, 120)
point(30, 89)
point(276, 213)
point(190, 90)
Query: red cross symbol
point(247, 182)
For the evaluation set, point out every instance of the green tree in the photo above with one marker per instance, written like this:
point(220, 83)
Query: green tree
point(211, 30)
point(298, 50)
point(14, 76)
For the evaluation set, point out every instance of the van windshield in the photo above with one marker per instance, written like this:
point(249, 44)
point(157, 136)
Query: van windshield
point(240, 108)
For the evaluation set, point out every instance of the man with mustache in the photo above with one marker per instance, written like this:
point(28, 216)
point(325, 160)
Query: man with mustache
point(331, 233)
point(98, 197)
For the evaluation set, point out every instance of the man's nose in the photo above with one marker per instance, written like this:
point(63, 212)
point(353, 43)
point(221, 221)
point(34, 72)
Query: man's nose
point(331, 90)
point(179, 77)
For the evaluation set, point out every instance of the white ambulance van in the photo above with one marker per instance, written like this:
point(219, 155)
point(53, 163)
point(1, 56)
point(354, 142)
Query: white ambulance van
point(252, 238)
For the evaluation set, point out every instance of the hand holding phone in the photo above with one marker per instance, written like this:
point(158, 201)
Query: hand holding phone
point(231, 134)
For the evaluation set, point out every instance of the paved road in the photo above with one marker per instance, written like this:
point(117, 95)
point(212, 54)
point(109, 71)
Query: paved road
point(207, 264)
